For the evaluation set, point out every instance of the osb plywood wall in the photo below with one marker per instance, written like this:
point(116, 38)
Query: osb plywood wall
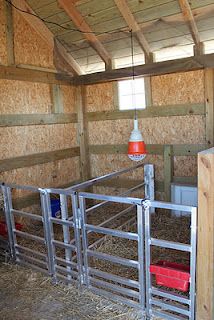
point(173, 89)
point(21, 97)
point(29, 47)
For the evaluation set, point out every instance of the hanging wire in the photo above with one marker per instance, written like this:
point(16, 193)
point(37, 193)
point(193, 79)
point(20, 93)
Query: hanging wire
point(61, 26)
point(133, 77)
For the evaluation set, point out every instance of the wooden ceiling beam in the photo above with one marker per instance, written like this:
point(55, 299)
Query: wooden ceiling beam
point(134, 26)
point(41, 29)
point(189, 19)
point(149, 69)
point(81, 24)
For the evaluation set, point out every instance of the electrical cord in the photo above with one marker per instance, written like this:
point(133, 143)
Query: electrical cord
point(60, 26)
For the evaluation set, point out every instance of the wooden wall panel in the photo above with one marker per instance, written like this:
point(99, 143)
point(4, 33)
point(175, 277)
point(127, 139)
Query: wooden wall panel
point(3, 50)
point(178, 88)
point(100, 97)
point(68, 93)
point(17, 141)
point(24, 97)
point(185, 166)
point(103, 164)
point(50, 174)
point(29, 47)
point(164, 130)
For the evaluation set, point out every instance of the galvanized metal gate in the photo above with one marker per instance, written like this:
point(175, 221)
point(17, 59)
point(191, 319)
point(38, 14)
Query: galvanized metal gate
point(70, 258)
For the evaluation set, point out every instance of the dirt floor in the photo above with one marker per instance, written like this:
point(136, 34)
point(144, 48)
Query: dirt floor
point(27, 295)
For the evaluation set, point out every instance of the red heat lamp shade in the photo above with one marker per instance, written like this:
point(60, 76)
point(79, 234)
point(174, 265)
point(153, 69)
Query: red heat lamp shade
point(171, 275)
point(136, 148)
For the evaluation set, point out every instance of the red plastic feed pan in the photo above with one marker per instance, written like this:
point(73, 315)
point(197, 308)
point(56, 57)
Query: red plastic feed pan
point(3, 228)
point(171, 275)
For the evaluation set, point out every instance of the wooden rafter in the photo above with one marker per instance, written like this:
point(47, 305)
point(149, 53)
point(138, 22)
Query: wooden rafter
point(189, 19)
point(134, 26)
point(82, 25)
point(47, 35)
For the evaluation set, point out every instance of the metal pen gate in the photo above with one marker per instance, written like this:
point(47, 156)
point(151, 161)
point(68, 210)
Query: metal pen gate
point(71, 257)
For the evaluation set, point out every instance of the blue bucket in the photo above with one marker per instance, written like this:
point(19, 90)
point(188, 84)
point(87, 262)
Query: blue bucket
point(55, 208)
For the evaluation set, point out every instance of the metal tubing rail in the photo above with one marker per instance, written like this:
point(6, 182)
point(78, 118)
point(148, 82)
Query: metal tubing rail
point(93, 181)
point(127, 200)
point(119, 195)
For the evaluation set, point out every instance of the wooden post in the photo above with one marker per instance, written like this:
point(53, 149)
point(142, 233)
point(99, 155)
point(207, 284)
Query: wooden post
point(9, 34)
point(168, 172)
point(209, 100)
point(148, 82)
point(57, 99)
point(83, 132)
point(205, 254)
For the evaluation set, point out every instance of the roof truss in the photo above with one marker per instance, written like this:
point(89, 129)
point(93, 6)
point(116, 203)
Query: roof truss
point(189, 18)
point(81, 24)
point(133, 25)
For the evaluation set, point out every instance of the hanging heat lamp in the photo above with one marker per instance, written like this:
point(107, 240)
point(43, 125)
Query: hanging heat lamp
point(136, 147)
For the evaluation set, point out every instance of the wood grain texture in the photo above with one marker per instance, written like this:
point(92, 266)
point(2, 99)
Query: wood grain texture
point(82, 25)
point(205, 254)
point(12, 120)
point(209, 100)
point(38, 158)
point(23, 74)
point(168, 172)
point(133, 25)
point(150, 69)
point(9, 34)
point(83, 133)
point(152, 111)
point(47, 36)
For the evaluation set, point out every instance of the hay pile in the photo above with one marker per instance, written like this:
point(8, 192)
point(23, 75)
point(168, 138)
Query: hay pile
point(26, 295)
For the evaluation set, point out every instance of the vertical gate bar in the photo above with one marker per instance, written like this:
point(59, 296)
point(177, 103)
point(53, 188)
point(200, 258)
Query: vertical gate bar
point(148, 259)
point(66, 230)
point(9, 220)
point(193, 262)
point(141, 275)
point(48, 232)
point(84, 239)
point(149, 183)
point(77, 228)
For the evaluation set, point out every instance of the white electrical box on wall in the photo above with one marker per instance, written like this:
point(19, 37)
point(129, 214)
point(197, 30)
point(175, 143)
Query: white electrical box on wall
point(183, 194)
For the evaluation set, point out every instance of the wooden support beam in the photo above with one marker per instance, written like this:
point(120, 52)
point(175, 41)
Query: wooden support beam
point(25, 74)
point(82, 133)
point(9, 34)
point(57, 99)
point(47, 35)
point(133, 25)
point(11, 120)
point(205, 254)
point(38, 158)
point(209, 100)
point(157, 149)
point(168, 172)
point(152, 111)
point(156, 68)
point(149, 69)
point(82, 25)
point(189, 19)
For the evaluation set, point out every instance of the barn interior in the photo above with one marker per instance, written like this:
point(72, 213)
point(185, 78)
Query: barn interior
point(73, 76)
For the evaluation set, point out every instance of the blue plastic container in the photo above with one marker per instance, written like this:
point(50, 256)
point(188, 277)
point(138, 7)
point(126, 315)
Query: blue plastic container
point(55, 208)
